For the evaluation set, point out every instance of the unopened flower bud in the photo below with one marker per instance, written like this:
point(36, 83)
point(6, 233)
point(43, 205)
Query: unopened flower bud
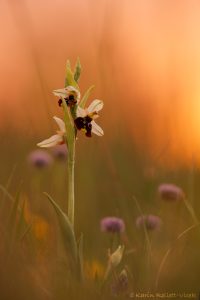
point(116, 257)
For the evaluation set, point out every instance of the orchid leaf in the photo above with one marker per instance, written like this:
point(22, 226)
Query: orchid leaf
point(66, 229)
point(83, 101)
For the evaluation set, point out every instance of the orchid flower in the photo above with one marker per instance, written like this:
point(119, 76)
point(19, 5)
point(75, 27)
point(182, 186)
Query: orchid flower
point(70, 94)
point(56, 139)
point(85, 119)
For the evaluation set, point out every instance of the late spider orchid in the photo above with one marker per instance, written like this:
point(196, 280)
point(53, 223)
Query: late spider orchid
point(56, 139)
point(70, 94)
point(85, 119)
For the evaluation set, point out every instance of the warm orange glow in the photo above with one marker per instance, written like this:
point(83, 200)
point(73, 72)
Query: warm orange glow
point(144, 56)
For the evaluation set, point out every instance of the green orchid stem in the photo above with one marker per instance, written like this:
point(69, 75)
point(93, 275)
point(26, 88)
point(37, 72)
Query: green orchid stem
point(70, 140)
point(70, 173)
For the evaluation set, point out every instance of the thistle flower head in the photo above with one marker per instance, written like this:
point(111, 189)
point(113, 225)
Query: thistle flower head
point(39, 159)
point(170, 192)
point(150, 222)
point(85, 119)
point(56, 139)
point(112, 224)
point(69, 94)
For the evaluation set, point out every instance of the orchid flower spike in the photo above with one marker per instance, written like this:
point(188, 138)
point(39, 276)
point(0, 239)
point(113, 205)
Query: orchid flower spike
point(56, 139)
point(85, 119)
point(69, 94)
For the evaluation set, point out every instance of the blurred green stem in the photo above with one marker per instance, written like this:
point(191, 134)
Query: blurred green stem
point(70, 139)
point(70, 173)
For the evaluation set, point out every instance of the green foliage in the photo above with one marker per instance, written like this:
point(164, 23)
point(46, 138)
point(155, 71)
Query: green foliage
point(17, 228)
point(69, 125)
point(77, 70)
point(14, 211)
point(69, 77)
point(22, 227)
point(80, 257)
point(191, 211)
point(83, 101)
point(67, 232)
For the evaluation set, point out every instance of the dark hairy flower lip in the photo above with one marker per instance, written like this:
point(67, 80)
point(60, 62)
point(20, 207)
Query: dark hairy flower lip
point(84, 123)
point(70, 101)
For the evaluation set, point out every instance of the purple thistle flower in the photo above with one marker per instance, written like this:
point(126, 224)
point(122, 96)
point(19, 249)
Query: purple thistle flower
point(112, 224)
point(39, 159)
point(60, 152)
point(170, 192)
point(151, 222)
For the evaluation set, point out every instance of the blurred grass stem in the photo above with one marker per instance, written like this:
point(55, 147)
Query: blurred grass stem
point(147, 244)
point(164, 259)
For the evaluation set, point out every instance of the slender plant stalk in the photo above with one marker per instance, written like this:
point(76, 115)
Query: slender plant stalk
point(70, 140)
point(70, 177)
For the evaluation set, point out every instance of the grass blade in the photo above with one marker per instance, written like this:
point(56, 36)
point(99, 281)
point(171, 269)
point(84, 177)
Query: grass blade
point(164, 259)
point(144, 227)
point(191, 211)
point(14, 212)
point(6, 193)
point(8, 184)
point(80, 257)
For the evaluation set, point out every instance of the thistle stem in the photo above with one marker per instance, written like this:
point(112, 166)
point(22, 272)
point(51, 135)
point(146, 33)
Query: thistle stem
point(70, 171)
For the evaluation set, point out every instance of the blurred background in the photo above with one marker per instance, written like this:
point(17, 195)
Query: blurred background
point(143, 57)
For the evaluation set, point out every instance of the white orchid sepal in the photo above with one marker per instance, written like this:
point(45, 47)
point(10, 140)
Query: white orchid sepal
point(92, 109)
point(56, 139)
point(88, 115)
point(64, 93)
